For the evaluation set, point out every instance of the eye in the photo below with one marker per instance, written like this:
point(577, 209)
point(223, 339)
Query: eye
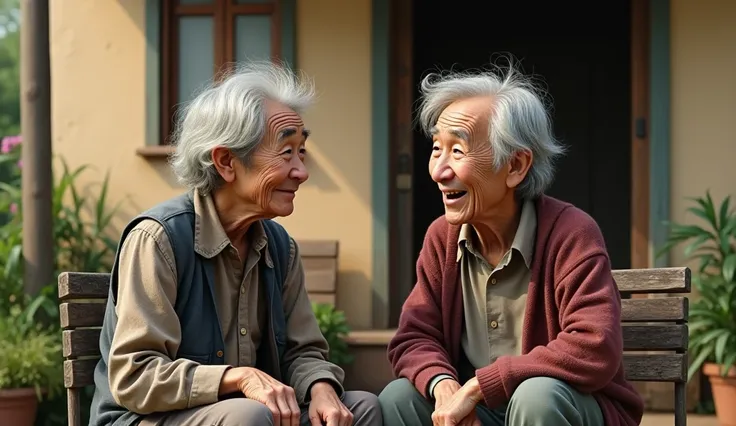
point(286, 152)
point(457, 151)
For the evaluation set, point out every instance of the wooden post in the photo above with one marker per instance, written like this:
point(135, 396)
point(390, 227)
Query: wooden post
point(35, 108)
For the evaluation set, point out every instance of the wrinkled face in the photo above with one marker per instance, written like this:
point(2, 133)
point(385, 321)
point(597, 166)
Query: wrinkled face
point(269, 183)
point(461, 162)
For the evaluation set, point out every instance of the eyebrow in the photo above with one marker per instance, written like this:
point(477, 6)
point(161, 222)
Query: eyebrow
point(291, 132)
point(458, 133)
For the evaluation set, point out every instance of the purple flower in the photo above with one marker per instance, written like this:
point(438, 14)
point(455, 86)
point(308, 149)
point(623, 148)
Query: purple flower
point(9, 142)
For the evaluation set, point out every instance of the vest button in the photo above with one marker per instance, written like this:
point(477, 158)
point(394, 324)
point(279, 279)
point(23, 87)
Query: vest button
point(243, 331)
point(220, 354)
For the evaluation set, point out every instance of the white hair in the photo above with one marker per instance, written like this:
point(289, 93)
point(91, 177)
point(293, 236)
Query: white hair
point(231, 114)
point(518, 119)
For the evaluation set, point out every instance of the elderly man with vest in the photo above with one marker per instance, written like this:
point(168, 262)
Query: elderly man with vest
point(515, 316)
point(208, 320)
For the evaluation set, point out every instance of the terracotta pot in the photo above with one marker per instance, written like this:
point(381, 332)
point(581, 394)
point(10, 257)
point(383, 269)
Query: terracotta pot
point(724, 393)
point(18, 406)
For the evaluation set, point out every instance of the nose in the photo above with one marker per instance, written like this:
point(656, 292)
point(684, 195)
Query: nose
point(440, 170)
point(299, 171)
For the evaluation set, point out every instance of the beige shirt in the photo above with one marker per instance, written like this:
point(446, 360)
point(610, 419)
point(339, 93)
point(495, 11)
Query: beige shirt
point(494, 298)
point(145, 375)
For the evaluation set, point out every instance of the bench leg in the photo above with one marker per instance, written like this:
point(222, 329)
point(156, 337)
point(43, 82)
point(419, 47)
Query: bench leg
point(73, 406)
point(680, 404)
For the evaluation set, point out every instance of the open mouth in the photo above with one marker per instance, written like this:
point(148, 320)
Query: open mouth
point(455, 195)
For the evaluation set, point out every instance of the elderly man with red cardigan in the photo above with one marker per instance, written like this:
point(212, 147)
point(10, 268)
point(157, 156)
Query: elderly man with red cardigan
point(514, 319)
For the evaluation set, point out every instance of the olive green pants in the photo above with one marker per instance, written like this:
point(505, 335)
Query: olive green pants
point(537, 401)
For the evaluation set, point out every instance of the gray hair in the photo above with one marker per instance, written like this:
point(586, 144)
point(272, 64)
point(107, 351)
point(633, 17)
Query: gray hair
point(232, 114)
point(518, 119)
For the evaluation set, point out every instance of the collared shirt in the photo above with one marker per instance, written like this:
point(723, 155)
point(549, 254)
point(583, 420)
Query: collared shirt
point(143, 374)
point(494, 297)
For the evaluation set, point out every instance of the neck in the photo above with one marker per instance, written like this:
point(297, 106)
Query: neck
point(496, 231)
point(235, 216)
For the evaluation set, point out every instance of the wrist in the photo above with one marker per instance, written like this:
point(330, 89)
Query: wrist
point(230, 382)
point(472, 390)
point(321, 386)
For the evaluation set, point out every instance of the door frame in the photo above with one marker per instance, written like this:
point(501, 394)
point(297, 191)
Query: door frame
point(400, 255)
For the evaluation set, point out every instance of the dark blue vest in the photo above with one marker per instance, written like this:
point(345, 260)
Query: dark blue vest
point(202, 339)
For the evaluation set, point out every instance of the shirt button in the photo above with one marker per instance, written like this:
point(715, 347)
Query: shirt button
point(243, 331)
point(242, 289)
point(494, 324)
point(493, 281)
point(220, 354)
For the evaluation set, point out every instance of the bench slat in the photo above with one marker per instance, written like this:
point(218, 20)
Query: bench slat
point(81, 342)
point(654, 280)
point(654, 310)
point(318, 248)
point(83, 285)
point(79, 373)
point(327, 298)
point(658, 337)
point(75, 315)
point(656, 367)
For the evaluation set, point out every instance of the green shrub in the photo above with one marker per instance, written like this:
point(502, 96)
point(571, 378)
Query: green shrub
point(334, 327)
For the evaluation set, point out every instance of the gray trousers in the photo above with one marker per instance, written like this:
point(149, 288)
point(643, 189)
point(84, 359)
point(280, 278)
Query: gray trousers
point(537, 401)
point(247, 412)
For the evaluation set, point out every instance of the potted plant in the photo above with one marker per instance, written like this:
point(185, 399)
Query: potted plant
point(30, 364)
point(712, 319)
point(335, 329)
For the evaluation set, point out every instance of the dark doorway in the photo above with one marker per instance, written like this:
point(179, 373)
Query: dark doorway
point(582, 56)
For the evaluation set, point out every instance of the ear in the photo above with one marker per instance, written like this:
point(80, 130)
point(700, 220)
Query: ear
point(224, 162)
point(518, 167)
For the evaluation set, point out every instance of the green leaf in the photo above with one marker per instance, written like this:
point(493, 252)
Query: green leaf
point(729, 267)
point(698, 362)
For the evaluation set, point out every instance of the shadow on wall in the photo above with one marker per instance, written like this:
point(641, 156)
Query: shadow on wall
point(353, 293)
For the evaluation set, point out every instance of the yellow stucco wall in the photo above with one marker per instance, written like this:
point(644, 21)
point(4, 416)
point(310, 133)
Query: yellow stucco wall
point(98, 78)
point(703, 112)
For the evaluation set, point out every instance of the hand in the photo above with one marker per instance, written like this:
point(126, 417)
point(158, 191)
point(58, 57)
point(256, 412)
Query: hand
point(259, 386)
point(326, 407)
point(444, 390)
point(459, 408)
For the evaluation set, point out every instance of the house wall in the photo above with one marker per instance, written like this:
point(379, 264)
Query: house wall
point(98, 109)
point(703, 103)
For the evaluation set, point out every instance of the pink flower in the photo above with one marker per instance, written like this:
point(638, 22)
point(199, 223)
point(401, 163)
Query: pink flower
point(13, 208)
point(9, 142)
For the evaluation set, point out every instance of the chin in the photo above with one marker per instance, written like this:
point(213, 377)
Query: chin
point(454, 218)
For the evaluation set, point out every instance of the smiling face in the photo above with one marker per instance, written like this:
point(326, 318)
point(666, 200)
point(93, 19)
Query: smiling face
point(269, 183)
point(462, 163)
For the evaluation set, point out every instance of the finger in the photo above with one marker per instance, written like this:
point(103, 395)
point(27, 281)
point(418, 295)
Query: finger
point(347, 417)
point(283, 408)
point(332, 417)
point(293, 406)
point(275, 411)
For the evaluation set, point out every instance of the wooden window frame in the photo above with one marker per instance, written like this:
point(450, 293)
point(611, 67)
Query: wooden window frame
point(224, 13)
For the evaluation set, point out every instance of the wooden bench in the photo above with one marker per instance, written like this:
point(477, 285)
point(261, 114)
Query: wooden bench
point(320, 269)
point(82, 307)
point(655, 331)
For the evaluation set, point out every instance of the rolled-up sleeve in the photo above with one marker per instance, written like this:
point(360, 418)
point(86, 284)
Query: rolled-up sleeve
point(144, 375)
point(307, 350)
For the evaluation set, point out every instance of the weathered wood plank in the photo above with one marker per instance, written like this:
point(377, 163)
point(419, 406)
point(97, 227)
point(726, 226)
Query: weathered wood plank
point(79, 372)
point(654, 280)
point(83, 285)
point(327, 298)
point(654, 310)
point(74, 406)
point(656, 367)
point(660, 337)
point(81, 342)
point(320, 280)
point(75, 315)
point(318, 248)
